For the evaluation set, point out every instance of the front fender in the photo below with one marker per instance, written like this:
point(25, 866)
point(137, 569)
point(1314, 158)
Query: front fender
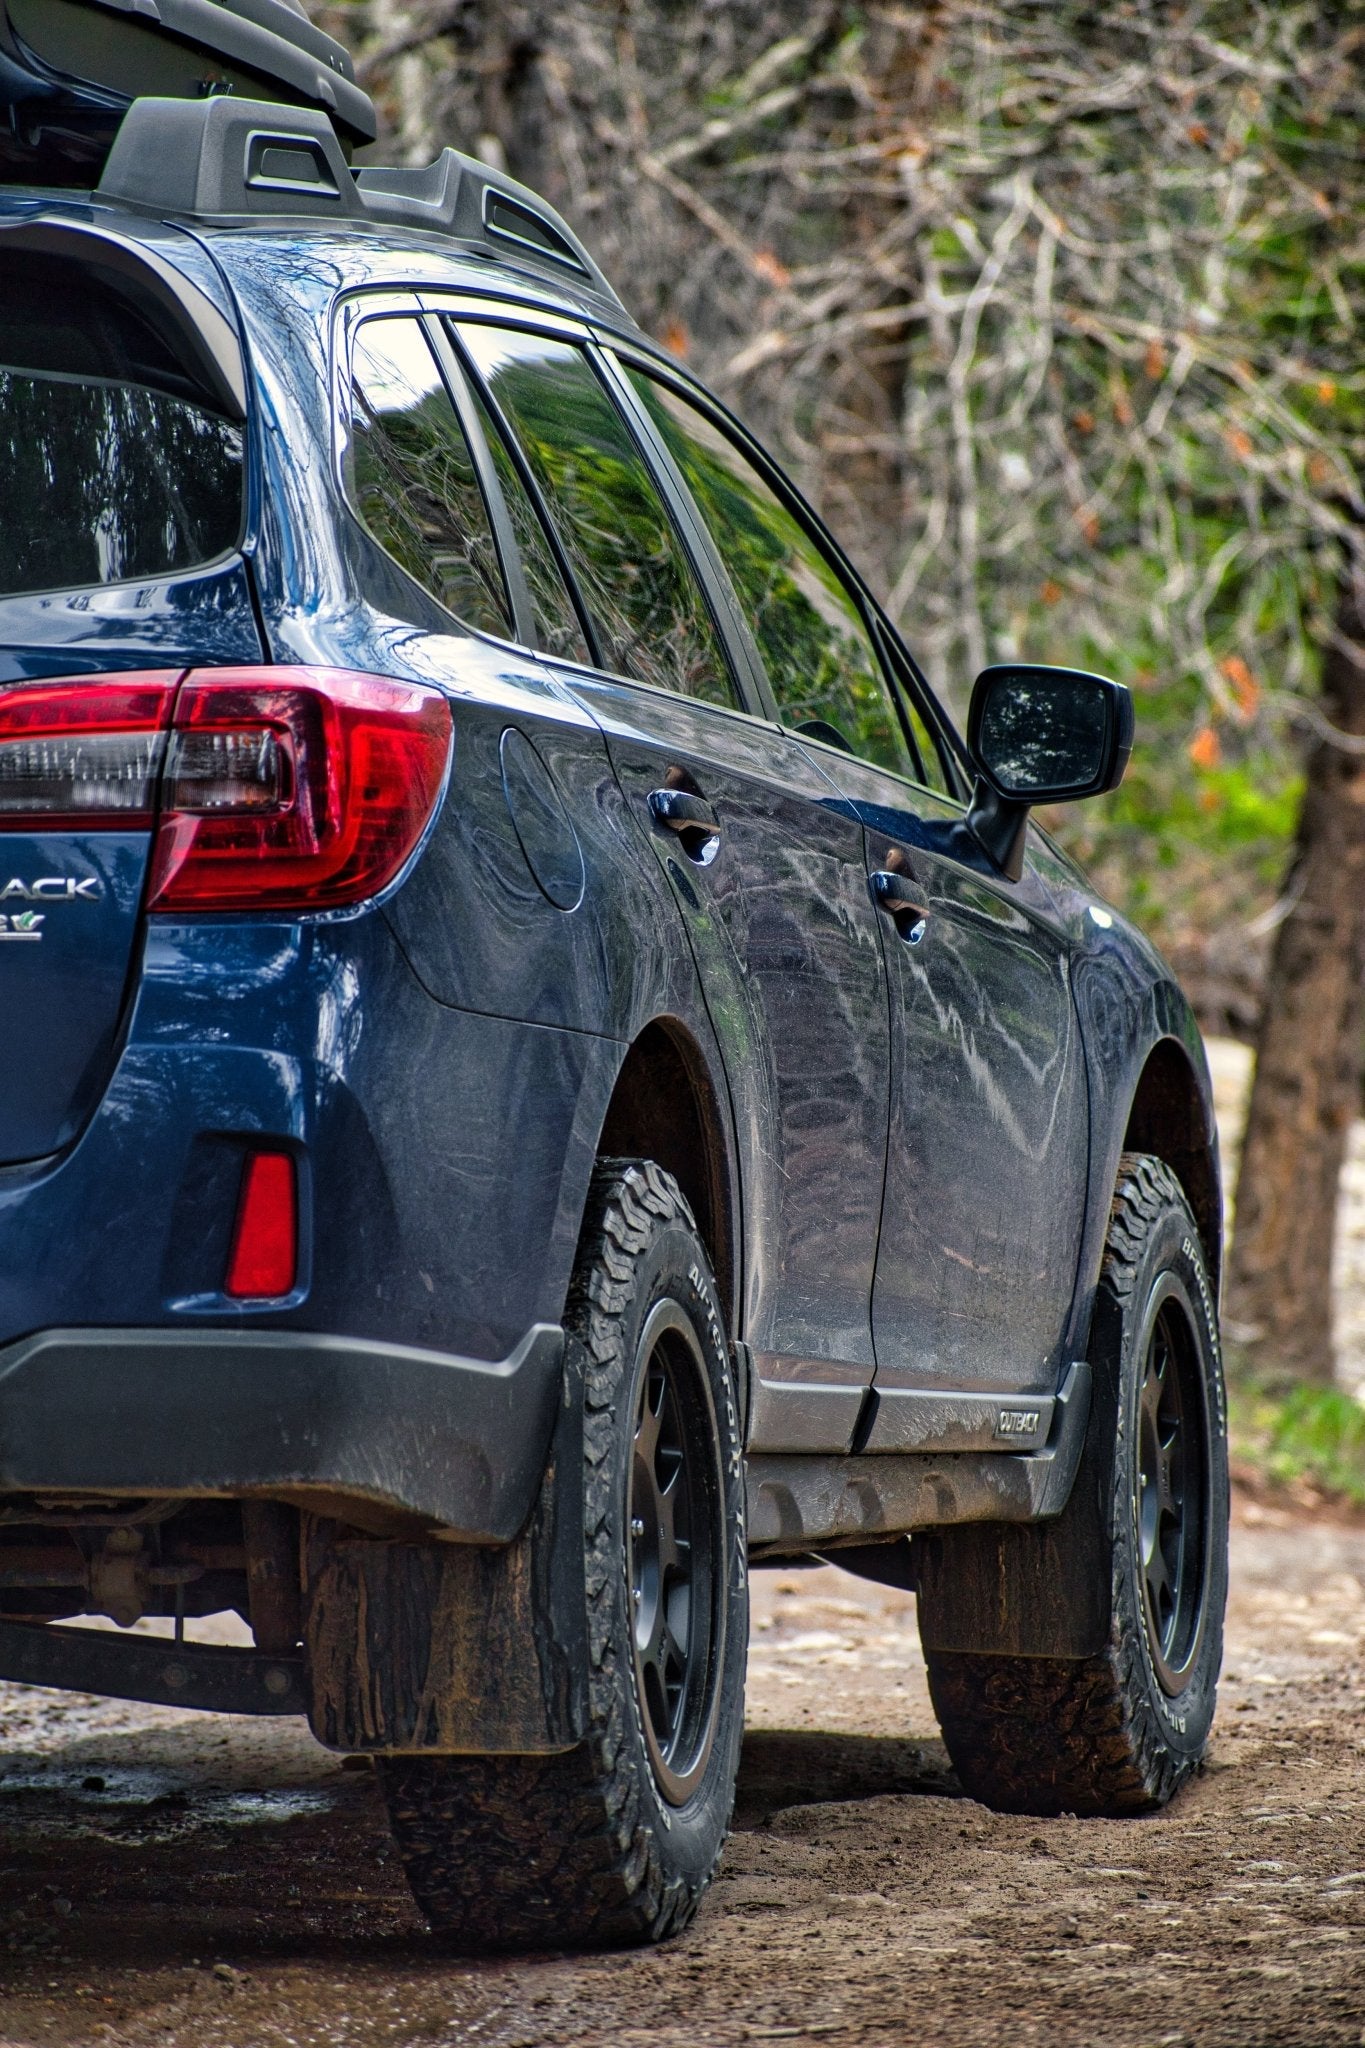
point(1150, 1091)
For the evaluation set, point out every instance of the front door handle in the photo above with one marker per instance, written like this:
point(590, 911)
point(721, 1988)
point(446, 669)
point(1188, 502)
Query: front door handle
point(902, 898)
point(692, 818)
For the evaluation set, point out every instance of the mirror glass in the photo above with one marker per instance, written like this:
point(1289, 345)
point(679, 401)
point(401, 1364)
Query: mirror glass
point(1043, 730)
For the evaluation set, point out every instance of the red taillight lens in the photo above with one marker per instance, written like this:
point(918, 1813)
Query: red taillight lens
point(264, 1259)
point(85, 753)
point(294, 788)
point(271, 788)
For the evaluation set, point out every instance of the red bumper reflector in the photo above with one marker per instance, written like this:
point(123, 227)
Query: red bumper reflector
point(265, 1240)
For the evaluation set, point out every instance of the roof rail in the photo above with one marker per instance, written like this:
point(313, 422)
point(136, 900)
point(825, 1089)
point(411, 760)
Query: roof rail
point(230, 158)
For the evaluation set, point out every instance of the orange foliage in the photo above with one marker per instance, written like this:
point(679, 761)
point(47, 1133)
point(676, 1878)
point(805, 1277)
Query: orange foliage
point(1245, 688)
point(1204, 750)
point(768, 265)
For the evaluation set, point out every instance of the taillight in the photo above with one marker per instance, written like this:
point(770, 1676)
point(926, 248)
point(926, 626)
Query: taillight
point(85, 753)
point(271, 788)
point(294, 788)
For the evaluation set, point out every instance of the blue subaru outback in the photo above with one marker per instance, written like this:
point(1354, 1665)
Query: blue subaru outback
point(538, 1071)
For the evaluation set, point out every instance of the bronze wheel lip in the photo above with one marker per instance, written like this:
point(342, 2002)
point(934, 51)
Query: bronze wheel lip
point(673, 1553)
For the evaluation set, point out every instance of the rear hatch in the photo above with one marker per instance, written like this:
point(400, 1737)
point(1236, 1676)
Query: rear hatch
point(122, 453)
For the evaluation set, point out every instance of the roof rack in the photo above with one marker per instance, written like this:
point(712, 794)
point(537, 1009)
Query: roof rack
point(232, 159)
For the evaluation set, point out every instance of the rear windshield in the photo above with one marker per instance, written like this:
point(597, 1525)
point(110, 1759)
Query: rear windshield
point(114, 468)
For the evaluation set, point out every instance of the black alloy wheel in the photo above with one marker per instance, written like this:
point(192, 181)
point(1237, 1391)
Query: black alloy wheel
point(1073, 1664)
point(1171, 1500)
point(674, 1539)
point(615, 1841)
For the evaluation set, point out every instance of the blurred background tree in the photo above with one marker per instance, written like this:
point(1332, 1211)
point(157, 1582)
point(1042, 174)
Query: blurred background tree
point(1055, 310)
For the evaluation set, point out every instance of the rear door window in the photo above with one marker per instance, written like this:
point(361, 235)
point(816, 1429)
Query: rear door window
point(556, 625)
point(822, 666)
point(113, 470)
point(410, 476)
point(645, 602)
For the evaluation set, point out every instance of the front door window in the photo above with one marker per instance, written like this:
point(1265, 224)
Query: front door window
point(821, 663)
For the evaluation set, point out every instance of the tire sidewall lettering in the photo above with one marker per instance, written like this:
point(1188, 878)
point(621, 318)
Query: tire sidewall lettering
point(1173, 1250)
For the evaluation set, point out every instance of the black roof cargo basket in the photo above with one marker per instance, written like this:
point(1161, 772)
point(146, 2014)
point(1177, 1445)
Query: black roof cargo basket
point(70, 69)
point(234, 159)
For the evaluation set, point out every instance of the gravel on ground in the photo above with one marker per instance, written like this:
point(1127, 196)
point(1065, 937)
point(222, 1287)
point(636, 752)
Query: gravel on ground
point(181, 1880)
point(192, 1881)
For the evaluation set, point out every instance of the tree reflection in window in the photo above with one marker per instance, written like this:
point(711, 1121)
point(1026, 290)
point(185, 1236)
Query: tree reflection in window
point(558, 629)
point(108, 482)
point(410, 476)
point(645, 601)
point(820, 661)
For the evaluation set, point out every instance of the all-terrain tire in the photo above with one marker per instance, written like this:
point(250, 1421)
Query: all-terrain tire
point(607, 1844)
point(1120, 1731)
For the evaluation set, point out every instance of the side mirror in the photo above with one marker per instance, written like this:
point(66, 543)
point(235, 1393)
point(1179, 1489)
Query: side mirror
point(1041, 736)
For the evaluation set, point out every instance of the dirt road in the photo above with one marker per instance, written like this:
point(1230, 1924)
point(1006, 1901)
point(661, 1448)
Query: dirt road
point(209, 1883)
point(221, 1884)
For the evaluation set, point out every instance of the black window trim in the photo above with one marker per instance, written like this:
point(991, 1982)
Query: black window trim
point(952, 753)
point(504, 537)
point(745, 660)
point(451, 322)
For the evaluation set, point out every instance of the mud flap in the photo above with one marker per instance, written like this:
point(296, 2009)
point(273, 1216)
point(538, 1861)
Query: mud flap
point(1034, 1589)
point(419, 1648)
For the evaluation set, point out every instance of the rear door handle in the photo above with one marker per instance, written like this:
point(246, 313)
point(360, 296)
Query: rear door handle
point(692, 818)
point(902, 898)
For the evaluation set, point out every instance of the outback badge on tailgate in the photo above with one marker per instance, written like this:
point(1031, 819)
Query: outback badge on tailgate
point(28, 924)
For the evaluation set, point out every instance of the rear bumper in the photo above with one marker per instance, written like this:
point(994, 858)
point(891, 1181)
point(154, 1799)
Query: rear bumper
point(109, 1412)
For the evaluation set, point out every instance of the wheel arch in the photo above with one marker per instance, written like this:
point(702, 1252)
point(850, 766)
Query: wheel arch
point(666, 1106)
point(1170, 1117)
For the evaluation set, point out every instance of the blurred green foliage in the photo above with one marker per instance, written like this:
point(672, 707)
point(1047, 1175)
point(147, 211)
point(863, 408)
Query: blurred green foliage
point(1304, 1438)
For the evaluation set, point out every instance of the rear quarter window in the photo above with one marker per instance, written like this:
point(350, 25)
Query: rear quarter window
point(115, 470)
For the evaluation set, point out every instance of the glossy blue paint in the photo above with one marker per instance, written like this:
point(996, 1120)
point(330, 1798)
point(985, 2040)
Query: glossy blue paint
point(317, 1037)
point(544, 829)
point(916, 1145)
point(980, 1241)
point(790, 963)
point(206, 618)
point(69, 908)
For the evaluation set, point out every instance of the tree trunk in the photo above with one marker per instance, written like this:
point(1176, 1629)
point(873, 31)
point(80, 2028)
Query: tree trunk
point(1310, 1054)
